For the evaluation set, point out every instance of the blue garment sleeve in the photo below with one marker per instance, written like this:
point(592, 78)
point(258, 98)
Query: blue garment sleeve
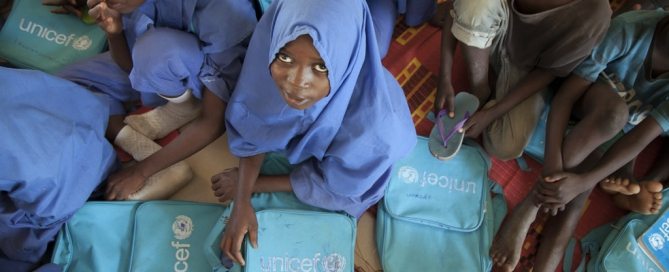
point(223, 44)
point(661, 115)
point(220, 71)
point(615, 44)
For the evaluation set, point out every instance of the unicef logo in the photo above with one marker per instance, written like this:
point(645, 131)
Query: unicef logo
point(182, 227)
point(656, 241)
point(334, 263)
point(82, 43)
point(408, 174)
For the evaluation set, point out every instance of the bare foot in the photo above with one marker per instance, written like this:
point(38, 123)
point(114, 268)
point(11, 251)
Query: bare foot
point(647, 201)
point(506, 248)
point(618, 185)
point(556, 234)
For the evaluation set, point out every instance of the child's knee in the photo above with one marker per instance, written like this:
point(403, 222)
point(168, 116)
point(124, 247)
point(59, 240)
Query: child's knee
point(612, 118)
point(163, 45)
point(504, 150)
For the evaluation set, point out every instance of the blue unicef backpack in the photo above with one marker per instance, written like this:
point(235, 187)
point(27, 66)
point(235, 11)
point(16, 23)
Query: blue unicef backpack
point(33, 37)
point(297, 240)
point(140, 236)
point(185, 236)
point(614, 247)
point(439, 215)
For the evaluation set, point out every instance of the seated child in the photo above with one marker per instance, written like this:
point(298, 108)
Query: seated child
point(52, 159)
point(631, 62)
point(188, 53)
point(528, 44)
point(316, 93)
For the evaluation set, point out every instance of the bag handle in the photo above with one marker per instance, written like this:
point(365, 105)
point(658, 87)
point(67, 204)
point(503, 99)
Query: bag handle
point(591, 243)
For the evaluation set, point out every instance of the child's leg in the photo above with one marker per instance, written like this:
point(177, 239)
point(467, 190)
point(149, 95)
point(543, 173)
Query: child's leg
point(506, 247)
point(603, 114)
point(384, 13)
point(477, 24)
point(506, 137)
point(177, 81)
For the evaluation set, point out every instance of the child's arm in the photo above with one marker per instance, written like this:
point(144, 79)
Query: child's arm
point(623, 151)
point(110, 21)
point(444, 97)
point(558, 117)
point(533, 82)
point(660, 169)
point(202, 131)
point(243, 219)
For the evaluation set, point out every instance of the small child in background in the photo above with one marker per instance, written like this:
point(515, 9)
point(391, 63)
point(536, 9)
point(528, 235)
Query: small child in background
point(186, 55)
point(632, 62)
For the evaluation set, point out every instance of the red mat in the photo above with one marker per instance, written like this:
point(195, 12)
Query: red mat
point(414, 60)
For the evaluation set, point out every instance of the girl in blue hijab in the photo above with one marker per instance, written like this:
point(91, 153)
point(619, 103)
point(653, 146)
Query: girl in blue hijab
point(313, 90)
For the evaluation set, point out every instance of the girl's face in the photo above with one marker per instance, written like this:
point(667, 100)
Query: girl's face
point(300, 73)
point(124, 6)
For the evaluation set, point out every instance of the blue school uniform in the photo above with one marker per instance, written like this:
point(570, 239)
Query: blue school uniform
point(53, 154)
point(343, 147)
point(385, 12)
point(623, 60)
point(175, 45)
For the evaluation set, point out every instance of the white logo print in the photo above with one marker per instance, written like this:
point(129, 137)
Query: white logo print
point(182, 227)
point(656, 241)
point(82, 43)
point(408, 174)
point(334, 263)
point(79, 43)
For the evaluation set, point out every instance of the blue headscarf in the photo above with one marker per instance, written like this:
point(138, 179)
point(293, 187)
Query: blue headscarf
point(345, 144)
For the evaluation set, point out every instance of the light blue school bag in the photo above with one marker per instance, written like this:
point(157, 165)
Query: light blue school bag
point(439, 215)
point(141, 236)
point(298, 240)
point(185, 236)
point(33, 37)
point(614, 247)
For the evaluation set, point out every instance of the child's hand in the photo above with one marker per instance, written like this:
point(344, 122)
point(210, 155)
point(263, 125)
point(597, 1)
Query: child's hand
point(224, 184)
point(74, 7)
point(560, 188)
point(242, 221)
point(477, 123)
point(107, 18)
point(444, 100)
point(123, 183)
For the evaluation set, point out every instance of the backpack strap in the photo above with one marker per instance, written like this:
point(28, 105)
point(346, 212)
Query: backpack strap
point(591, 243)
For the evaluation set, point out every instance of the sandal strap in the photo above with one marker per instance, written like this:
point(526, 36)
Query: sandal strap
point(455, 129)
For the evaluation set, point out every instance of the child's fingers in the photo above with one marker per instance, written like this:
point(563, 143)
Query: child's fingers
point(555, 177)
point(253, 237)
point(450, 103)
point(72, 10)
point(237, 245)
point(93, 3)
point(95, 12)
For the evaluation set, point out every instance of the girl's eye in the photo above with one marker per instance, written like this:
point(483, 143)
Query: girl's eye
point(321, 68)
point(283, 58)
